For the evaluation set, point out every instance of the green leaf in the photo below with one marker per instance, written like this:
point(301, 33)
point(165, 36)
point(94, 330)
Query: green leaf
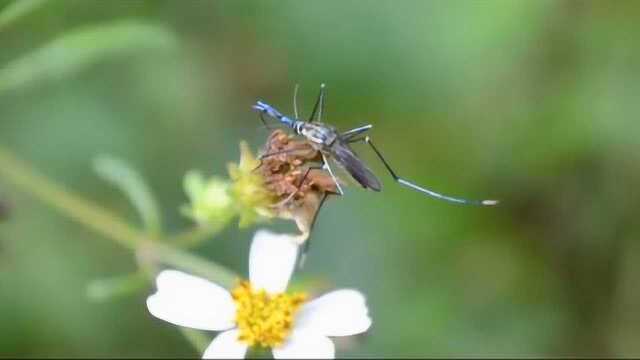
point(116, 287)
point(82, 47)
point(131, 183)
point(18, 9)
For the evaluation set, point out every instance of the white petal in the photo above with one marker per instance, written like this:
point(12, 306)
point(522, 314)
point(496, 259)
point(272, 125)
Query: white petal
point(306, 345)
point(271, 260)
point(338, 313)
point(226, 346)
point(191, 301)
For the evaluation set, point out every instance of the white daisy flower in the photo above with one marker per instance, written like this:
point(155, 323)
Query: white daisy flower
point(258, 312)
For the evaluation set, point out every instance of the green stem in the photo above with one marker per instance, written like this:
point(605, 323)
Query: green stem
point(199, 266)
point(17, 9)
point(197, 235)
point(98, 219)
point(117, 286)
point(106, 223)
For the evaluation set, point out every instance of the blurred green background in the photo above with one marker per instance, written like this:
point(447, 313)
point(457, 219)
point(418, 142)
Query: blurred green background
point(534, 103)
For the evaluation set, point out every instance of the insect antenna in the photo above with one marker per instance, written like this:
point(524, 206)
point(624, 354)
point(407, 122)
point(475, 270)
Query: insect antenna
point(295, 101)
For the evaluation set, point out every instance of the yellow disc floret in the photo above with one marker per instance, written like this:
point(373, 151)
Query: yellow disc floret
point(264, 319)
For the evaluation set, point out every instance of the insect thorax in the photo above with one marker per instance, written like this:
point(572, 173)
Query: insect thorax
point(318, 133)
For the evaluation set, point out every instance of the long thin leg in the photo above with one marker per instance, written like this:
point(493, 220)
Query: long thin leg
point(326, 166)
point(306, 173)
point(288, 198)
point(264, 122)
point(305, 249)
point(322, 167)
point(317, 108)
point(348, 135)
point(307, 244)
point(304, 177)
point(272, 126)
point(419, 188)
point(279, 152)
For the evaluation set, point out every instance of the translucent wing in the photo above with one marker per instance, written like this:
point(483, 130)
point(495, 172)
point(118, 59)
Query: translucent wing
point(343, 155)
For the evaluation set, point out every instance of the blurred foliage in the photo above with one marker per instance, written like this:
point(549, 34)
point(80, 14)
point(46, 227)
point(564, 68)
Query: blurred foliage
point(127, 179)
point(531, 102)
point(4, 210)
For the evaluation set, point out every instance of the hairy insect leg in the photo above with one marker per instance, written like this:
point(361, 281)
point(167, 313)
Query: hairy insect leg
point(415, 187)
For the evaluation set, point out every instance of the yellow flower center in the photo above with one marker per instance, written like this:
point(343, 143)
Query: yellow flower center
point(264, 319)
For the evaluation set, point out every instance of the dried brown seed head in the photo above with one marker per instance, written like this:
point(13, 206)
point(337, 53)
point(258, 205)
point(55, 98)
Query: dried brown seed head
point(288, 176)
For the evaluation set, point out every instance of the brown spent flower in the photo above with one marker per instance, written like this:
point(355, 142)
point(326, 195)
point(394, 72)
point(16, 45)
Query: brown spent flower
point(284, 172)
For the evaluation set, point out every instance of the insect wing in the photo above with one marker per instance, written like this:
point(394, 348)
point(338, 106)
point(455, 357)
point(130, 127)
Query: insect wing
point(343, 154)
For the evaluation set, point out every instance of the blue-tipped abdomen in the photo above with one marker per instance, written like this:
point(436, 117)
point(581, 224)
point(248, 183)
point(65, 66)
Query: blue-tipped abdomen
point(271, 111)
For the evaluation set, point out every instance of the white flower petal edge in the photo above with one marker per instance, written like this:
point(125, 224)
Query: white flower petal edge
point(306, 345)
point(272, 259)
point(226, 346)
point(190, 301)
point(337, 313)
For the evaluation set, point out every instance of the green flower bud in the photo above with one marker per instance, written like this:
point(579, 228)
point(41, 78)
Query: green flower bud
point(210, 200)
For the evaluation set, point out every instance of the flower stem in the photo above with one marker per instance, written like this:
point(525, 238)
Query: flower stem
point(197, 235)
point(199, 266)
point(17, 9)
point(98, 219)
point(87, 213)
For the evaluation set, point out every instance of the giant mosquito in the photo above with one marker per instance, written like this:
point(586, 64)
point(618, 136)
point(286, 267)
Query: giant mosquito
point(335, 145)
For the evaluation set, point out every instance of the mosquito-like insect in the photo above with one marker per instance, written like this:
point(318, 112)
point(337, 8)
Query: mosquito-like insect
point(336, 145)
